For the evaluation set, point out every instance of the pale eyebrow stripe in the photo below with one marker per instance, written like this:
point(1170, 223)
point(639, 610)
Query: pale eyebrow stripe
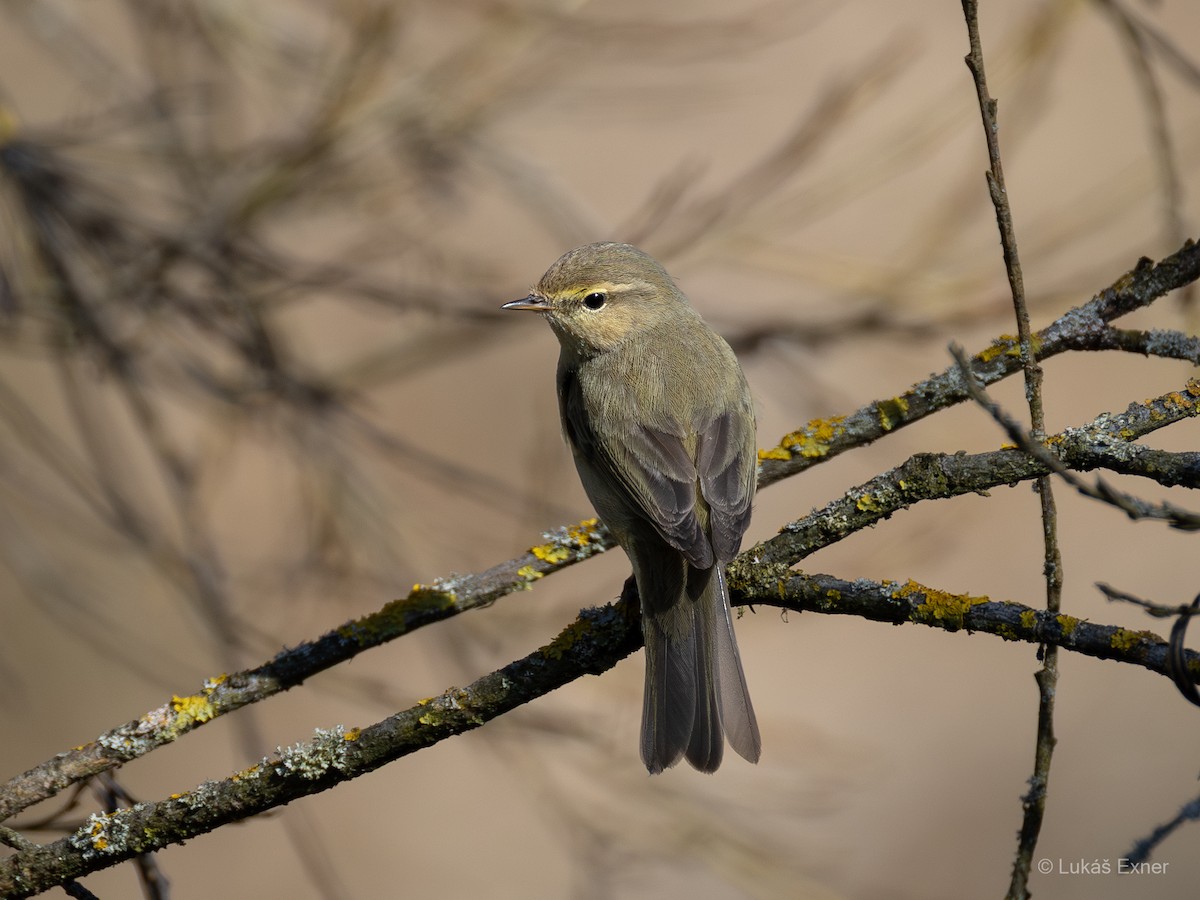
point(616, 286)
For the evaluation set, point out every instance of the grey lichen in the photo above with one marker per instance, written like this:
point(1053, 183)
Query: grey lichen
point(104, 834)
point(329, 749)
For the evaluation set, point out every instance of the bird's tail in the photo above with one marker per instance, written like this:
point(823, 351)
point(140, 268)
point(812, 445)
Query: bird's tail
point(696, 693)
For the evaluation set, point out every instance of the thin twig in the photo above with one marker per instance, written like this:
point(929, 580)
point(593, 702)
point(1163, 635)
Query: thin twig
point(1137, 41)
point(1132, 506)
point(1142, 849)
point(932, 476)
point(1034, 802)
point(1158, 610)
point(1177, 665)
point(1085, 327)
point(113, 797)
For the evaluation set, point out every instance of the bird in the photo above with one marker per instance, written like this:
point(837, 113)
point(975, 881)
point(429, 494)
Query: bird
point(661, 424)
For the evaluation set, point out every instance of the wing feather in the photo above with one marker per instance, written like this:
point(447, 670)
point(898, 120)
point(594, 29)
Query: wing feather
point(658, 474)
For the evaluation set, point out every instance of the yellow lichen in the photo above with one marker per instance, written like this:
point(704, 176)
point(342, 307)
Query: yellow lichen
point(352, 735)
point(1029, 619)
point(891, 412)
point(867, 503)
point(551, 553)
point(566, 541)
point(528, 574)
point(1001, 345)
point(1175, 399)
point(392, 619)
point(1009, 345)
point(566, 639)
point(1068, 624)
point(99, 831)
point(583, 532)
point(938, 606)
point(1122, 639)
point(428, 597)
point(195, 708)
point(811, 441)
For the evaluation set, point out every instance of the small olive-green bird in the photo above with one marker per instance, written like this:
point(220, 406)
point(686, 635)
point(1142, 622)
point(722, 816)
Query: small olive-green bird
point(661, 424)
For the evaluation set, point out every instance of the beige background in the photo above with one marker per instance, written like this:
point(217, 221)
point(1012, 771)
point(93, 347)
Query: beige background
point(894, 758)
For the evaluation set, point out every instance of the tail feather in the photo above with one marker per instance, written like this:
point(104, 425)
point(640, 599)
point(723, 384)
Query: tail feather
point(737, 712)
point(707, 745)
point(696, 693)
point(669, 707)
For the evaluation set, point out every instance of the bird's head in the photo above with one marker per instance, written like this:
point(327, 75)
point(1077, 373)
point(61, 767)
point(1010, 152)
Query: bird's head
point(597, 296)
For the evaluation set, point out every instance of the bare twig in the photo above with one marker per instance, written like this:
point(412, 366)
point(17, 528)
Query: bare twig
point(1177, 656)
point(1142, 849)
point(1138, 41)
point(1132, 506)
point(1034, 802)
point(114, 797)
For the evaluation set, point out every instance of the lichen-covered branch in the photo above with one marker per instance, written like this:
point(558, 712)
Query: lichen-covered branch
point(1082, 328)
point(917, 604)
point(1134, 507)
point(592, 644)
point(424, 605)
point(1105, 443)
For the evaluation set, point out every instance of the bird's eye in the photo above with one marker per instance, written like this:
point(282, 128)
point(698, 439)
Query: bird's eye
point(595, 299)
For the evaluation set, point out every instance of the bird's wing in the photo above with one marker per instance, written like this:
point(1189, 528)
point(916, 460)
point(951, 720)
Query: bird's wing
point(651, 469)
point(727, 460)
point(657, 475)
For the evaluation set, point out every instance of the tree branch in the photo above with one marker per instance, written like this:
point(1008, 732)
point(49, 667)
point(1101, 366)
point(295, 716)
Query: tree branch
point(1105, 442)
point(1082, 328)
point(592, 644)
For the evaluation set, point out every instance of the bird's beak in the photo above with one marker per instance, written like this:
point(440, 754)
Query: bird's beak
point(533, 301)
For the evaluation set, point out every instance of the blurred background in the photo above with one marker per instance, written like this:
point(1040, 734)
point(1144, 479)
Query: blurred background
point(254, 382)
